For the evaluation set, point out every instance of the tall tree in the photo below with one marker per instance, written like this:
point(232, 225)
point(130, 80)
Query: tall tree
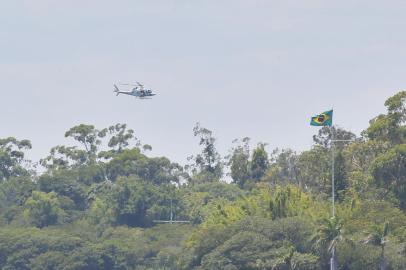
point(120, 136)
point(326, 134)
point(158, 170)
point(63, 157)
point(259, 162)
point(239, 162)
point(207, 165)
point(284, 168)
point(390, 127)
point(314, 169)
point(12, 157)
point(89, 137)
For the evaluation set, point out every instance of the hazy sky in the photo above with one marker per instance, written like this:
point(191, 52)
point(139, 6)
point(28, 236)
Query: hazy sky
point(241, 68)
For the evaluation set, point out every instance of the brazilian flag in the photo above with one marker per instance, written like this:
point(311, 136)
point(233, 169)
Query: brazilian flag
point(323, 119)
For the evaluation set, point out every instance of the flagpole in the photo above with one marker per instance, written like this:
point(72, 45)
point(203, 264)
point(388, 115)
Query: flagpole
point(332, 170)
point(333, 140)
point(323, 122)
point(332, 260)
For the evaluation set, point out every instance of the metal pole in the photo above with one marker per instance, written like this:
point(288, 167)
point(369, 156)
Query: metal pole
point(171, 212)
point(332, 262)
point(332, 176)
point(332, 170)
point(171, 220)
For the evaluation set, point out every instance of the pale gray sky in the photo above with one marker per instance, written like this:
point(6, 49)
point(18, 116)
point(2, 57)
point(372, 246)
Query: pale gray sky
point(241, 68)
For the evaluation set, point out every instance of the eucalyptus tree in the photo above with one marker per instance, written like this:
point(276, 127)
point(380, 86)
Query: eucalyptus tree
point(120, 137)
point(208, 165)
point(391, 126)
point(89, 137)
point(157, 170)
point(63, 157)
point(284, 168)
point(239, 162)
point(326, 134)
point(259, 162)
point(314, 169)
point(12, 157)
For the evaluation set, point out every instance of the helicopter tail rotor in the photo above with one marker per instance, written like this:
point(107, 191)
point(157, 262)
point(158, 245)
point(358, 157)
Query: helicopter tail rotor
point(116, 90)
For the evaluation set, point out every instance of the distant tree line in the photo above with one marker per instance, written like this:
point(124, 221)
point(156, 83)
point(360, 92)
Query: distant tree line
point(92, 205)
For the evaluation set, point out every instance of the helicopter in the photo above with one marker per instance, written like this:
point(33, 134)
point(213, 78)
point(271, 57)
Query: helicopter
point(138, 91)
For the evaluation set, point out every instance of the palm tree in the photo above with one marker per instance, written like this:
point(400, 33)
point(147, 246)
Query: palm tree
point(286, 261)
point(377, 237)
point(329, 234)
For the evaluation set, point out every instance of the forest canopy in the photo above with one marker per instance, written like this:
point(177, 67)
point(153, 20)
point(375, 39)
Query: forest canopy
point(95, 203)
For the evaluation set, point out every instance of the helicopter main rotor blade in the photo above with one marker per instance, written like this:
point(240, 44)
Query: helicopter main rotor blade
point(128, 84)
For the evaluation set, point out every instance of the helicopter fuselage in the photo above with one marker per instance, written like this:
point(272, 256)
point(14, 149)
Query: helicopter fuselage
point(136, 92)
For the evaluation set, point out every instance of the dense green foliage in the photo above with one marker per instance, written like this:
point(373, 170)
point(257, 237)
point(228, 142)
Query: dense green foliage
point(97, 204)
